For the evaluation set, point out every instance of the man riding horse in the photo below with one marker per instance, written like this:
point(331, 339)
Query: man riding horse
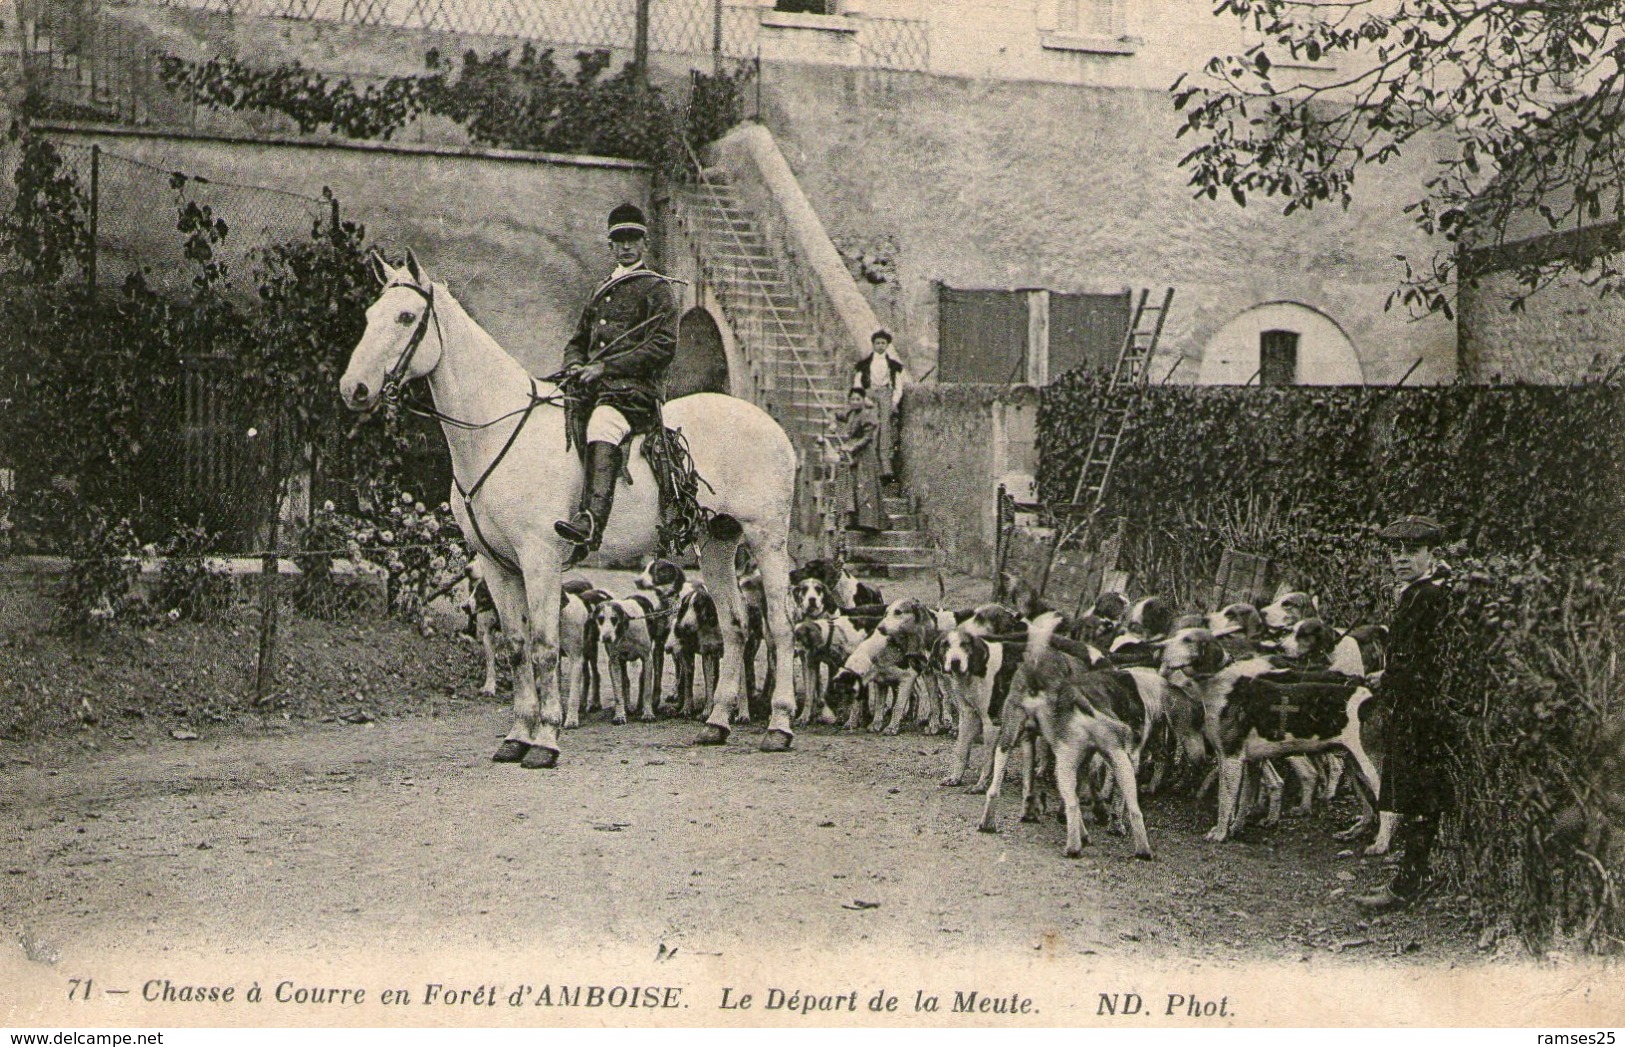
point(616, 366)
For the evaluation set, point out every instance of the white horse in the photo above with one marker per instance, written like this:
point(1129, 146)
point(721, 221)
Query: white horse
point(512, 477)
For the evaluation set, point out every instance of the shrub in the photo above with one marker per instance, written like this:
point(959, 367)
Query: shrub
point(1533, 675)
point(100, 585)
point(191, 585)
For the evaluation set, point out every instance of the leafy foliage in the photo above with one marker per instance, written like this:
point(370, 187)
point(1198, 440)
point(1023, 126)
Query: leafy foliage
point(1532, 673)
point(515, 101)
point(45, 233)
point(95, 389)
point(191, 585)
point(100, 584)
point(1521, 100)
point(1498, 464)
point(1529, 481)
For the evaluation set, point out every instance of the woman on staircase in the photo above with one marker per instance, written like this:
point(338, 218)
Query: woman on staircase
point(882, 377)
point(863, 507)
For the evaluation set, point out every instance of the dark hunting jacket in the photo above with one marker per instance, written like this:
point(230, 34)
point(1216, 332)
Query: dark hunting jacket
point(1419, 732)
point(631, 325)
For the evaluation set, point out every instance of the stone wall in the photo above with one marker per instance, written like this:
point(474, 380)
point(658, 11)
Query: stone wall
point(958, 443)
point(1565, 332)
point(987, 184)
point(517, 237)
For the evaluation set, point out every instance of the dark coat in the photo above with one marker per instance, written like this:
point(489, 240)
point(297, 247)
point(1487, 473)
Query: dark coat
point(1419, 733)
point(631, 325)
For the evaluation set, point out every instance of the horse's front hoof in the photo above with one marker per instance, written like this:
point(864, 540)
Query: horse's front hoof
point(540, 758)
point(951, 781)
point(711, 734)
point(776, 741)
point(618, 721)
point(509, 751)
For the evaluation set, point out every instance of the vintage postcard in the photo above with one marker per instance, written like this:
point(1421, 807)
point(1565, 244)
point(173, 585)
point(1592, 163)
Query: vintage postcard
point(816, 513)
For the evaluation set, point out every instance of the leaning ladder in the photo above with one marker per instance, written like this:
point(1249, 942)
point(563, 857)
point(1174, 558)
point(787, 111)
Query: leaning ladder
point(1133, 365)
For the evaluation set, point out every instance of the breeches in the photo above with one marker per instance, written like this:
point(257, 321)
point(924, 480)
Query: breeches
point(608, 425)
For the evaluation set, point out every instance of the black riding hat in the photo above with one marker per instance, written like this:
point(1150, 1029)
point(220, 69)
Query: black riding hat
point(627, 221)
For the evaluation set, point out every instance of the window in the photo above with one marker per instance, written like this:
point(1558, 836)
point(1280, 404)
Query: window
point(1107, 18)
point(1278, 358)
point(983, 336)
point(1086, 330)
point(805, 7)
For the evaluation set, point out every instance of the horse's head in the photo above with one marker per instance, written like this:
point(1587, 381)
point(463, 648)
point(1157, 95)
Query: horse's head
point(402, 340)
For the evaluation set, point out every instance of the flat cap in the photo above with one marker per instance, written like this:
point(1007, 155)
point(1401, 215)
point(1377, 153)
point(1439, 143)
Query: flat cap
point(1413, 529)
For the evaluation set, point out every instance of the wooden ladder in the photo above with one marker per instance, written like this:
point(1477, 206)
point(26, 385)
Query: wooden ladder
point(1133, 365)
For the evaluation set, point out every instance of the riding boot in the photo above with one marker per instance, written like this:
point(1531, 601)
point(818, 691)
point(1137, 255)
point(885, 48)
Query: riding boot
point(586, 527)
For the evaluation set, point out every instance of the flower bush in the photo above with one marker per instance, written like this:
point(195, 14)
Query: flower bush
point(192, 585)
point(100, 585)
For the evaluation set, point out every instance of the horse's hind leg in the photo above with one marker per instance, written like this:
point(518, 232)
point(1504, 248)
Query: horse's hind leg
point(773, 559)
point(717, 567)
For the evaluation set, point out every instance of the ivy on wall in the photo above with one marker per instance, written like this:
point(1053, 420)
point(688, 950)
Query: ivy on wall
point(522, 100)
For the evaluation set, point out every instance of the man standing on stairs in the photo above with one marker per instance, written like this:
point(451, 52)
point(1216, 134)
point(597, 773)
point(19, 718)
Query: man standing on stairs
point(616, 365)
point(882, 377)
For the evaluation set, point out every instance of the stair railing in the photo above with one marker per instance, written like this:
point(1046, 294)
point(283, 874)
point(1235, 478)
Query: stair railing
point(763, 277)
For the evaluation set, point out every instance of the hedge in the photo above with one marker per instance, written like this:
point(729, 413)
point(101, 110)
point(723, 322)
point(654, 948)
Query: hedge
point(1529, 481)
point(1304, 474)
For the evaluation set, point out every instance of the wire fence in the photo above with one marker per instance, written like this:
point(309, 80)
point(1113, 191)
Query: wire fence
point(82, 62)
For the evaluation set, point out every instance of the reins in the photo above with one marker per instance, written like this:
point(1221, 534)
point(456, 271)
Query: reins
point(391, 391)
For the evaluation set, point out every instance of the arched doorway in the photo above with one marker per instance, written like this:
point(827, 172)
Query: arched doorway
point(701, 364)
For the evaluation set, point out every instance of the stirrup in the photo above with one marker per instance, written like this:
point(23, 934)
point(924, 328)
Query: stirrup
point(568, 530)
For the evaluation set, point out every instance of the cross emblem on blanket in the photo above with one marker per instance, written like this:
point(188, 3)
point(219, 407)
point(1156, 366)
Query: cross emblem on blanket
point(1282, 708)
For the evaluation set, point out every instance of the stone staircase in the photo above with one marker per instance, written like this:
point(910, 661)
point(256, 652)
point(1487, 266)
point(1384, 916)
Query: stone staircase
point(793, 376)
point(902, 550)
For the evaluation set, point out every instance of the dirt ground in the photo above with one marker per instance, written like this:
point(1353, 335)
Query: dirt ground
point(374, 819)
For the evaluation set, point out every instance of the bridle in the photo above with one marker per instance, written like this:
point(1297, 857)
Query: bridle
point(391, 389)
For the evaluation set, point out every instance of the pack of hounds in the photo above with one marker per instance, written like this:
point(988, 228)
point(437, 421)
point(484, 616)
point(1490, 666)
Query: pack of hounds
point(1125, 699)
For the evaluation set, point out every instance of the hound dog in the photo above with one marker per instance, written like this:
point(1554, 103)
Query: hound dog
point(847, 590)
point(994, 620)
point(1263, 718)
point(1289, 609)
point(667, 581)
point(914, 627)
point(696, 636)
point(624, 634)
point(810, 598)
point(1313, 644)
point(1149, 621)
point(1103, 621)
point(1201, 667)
point(1079, 712)
point(1238, 627)
point(976, 673)
point(877, 669)
point(578, 648)
point(822, 646)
